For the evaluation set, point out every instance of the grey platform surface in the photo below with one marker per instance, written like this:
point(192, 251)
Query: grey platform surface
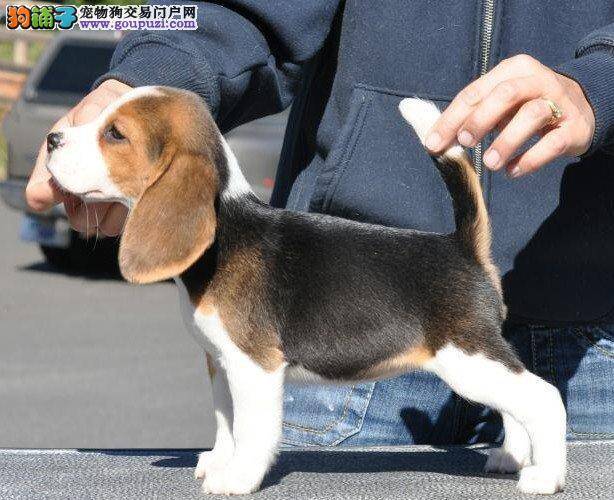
point(408, 473)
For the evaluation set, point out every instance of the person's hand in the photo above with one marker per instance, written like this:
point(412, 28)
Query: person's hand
point(513, 98)
point(41, 194)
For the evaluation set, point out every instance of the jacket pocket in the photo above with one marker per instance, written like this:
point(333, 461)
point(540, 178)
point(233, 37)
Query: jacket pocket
point(377, 170)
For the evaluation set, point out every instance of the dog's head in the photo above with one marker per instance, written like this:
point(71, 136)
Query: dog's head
point(158, 151)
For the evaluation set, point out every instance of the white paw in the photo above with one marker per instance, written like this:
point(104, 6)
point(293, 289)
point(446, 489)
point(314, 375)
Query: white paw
point(233, 479)
point(210, 461)
point(538, 480)
point(503, 461)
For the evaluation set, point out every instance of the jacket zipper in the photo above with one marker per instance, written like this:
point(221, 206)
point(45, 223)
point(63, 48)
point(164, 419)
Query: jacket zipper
point(488, 15)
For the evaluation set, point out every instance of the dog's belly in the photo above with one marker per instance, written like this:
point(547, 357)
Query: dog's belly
point(301, 375)
point(298, 374)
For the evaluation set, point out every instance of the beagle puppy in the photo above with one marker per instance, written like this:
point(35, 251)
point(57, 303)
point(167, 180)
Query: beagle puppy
point(273, 294)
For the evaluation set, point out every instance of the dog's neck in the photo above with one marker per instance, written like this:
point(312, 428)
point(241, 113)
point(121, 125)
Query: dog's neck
point(242, 222)
point(235, 183)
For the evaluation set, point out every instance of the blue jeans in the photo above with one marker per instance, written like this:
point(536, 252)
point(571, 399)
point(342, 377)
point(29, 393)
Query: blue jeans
point(418, 408)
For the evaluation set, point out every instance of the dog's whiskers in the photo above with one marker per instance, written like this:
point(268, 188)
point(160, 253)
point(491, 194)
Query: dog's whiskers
point(97, 228)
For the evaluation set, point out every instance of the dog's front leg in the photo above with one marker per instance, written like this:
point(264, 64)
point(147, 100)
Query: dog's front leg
point(257, 399)
point(220, 455)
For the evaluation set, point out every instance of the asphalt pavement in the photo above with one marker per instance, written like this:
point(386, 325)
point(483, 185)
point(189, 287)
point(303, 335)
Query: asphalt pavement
point(93, 362)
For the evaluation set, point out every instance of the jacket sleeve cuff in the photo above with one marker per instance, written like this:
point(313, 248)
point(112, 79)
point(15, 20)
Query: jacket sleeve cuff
point(594, 72)
point(154, 60)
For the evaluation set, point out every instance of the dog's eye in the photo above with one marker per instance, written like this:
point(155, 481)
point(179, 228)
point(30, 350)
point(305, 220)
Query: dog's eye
point(114, 135)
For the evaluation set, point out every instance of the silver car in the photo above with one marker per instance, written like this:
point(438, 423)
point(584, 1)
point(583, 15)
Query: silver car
point(62, 76)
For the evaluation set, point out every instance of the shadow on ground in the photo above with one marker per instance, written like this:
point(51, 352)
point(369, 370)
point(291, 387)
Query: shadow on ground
point(453, 461)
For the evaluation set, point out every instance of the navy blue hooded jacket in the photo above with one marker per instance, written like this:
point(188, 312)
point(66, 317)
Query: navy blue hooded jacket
point(344, 67)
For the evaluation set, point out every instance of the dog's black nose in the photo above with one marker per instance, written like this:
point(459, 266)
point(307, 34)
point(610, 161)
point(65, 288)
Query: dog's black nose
point(53, 140)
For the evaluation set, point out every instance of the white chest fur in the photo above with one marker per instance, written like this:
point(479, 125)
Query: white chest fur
point(207, 329)
point(248, 406)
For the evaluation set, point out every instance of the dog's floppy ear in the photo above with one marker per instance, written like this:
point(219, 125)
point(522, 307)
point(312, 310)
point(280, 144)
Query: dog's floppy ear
point(172, 223)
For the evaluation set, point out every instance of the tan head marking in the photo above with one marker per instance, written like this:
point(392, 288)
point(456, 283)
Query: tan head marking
point(160, 151)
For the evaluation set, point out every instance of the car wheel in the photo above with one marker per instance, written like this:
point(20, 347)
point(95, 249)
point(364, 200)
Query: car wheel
point(85, 255)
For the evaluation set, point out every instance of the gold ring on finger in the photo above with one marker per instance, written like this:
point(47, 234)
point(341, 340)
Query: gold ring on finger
point(555, 110)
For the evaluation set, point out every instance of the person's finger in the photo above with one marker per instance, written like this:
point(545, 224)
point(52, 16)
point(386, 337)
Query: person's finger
point(505, 98)
point(41, 194)
point(74, 208)
point(531, 118)
point(551, 146)
point(446, 129)
point(98, 100)
point(91, 107)
point(85, 218)
point(114, 220)
point(504, 122)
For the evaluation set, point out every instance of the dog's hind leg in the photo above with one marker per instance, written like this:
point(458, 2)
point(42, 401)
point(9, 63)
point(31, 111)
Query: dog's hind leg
point(515, 453)
point(528, 399)
point(210, 461)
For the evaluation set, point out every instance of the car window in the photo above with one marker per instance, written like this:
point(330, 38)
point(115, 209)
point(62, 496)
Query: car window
point(67, 78)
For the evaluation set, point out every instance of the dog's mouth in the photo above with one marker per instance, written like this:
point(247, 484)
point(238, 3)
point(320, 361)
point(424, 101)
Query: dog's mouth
point(92, 194)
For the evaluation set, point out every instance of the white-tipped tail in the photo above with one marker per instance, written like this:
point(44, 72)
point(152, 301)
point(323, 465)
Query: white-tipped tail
point(422, 115)
point(458, 172)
